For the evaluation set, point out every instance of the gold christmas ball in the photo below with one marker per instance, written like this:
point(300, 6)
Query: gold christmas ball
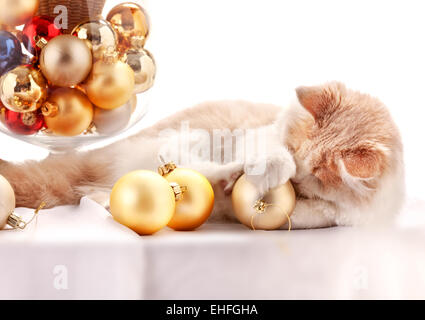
point(17, 12)
point(143, 201)
point(98, 35)
point(67, 112)
point(23, 89)
point(265, 213)
point(112, 121)
point(197, 199)
point(143, 65)
point(110, 84)
point(66, 61)
point(7, 201)
point(131, 23)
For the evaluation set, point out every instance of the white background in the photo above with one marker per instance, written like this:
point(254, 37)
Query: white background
point(259, 51)
point(262, 50)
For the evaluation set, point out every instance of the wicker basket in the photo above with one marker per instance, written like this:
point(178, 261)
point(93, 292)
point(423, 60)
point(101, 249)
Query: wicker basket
point(78, 10)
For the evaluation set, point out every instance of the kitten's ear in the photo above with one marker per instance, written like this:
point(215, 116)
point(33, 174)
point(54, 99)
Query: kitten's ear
point(312, 99)
point(364, 163)
point(319, 99)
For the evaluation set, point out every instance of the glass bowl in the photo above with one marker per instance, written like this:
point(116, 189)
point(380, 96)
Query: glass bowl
point(113, 16)
point(58, 144)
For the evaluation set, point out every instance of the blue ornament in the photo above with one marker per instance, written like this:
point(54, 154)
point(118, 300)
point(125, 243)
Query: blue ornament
point(10, 52)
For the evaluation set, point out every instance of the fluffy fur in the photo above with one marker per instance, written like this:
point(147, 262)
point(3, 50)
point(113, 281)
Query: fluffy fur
point(340, 148)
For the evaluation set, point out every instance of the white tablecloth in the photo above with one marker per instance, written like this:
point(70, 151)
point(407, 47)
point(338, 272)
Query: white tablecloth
point(82, 253)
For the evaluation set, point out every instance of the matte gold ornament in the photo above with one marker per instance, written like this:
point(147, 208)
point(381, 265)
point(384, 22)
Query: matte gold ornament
point(265, 213)
point(196, 200)
point(143, 201)
point(7, 206)
point(98, 35)
point(112, 121)
point(66, 61)
point(17, 12)
point(7, 201)
point(143, 65)
point(110, 84)
point(131, 23)
point(67, 112)
point(23, 89)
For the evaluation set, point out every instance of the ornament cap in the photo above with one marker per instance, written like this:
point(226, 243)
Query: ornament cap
point(16, 222)
point(178, 190)
point(29, 118)
point(49, 109)
point(40, 42)
point(166, 168)
point(260, 206)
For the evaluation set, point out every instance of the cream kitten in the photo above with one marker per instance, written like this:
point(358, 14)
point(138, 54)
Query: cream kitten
point(340, 148)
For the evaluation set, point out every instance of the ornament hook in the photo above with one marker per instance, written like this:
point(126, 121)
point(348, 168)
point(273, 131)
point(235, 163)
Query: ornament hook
point(260, 207)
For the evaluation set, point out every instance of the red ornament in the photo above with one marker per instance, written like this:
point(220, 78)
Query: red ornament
point(42, 26)
point(24, 123)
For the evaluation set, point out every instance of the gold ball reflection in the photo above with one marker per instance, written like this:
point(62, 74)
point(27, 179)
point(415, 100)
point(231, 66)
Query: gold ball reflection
point(23, 89)
point(98, 35)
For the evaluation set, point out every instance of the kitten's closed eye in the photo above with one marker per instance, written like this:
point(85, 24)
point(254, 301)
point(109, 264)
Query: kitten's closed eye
point(328, 176)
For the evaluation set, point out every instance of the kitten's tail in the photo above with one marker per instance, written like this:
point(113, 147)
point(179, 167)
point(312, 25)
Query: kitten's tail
point(59, 179)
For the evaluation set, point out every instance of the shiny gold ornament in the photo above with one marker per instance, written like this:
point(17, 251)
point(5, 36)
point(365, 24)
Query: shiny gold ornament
point(98, 35)
point(143, 65)
point(265, 213)
point(67, 112)
point(23, 89)
point(110, 84)
point(196, 197)
point(17, 12)
point(66, 61)
point(131, 23)
point(143, 201)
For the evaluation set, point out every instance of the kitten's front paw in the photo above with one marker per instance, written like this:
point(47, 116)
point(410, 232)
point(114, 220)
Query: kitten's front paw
point(229, 183)
point(268, 172)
